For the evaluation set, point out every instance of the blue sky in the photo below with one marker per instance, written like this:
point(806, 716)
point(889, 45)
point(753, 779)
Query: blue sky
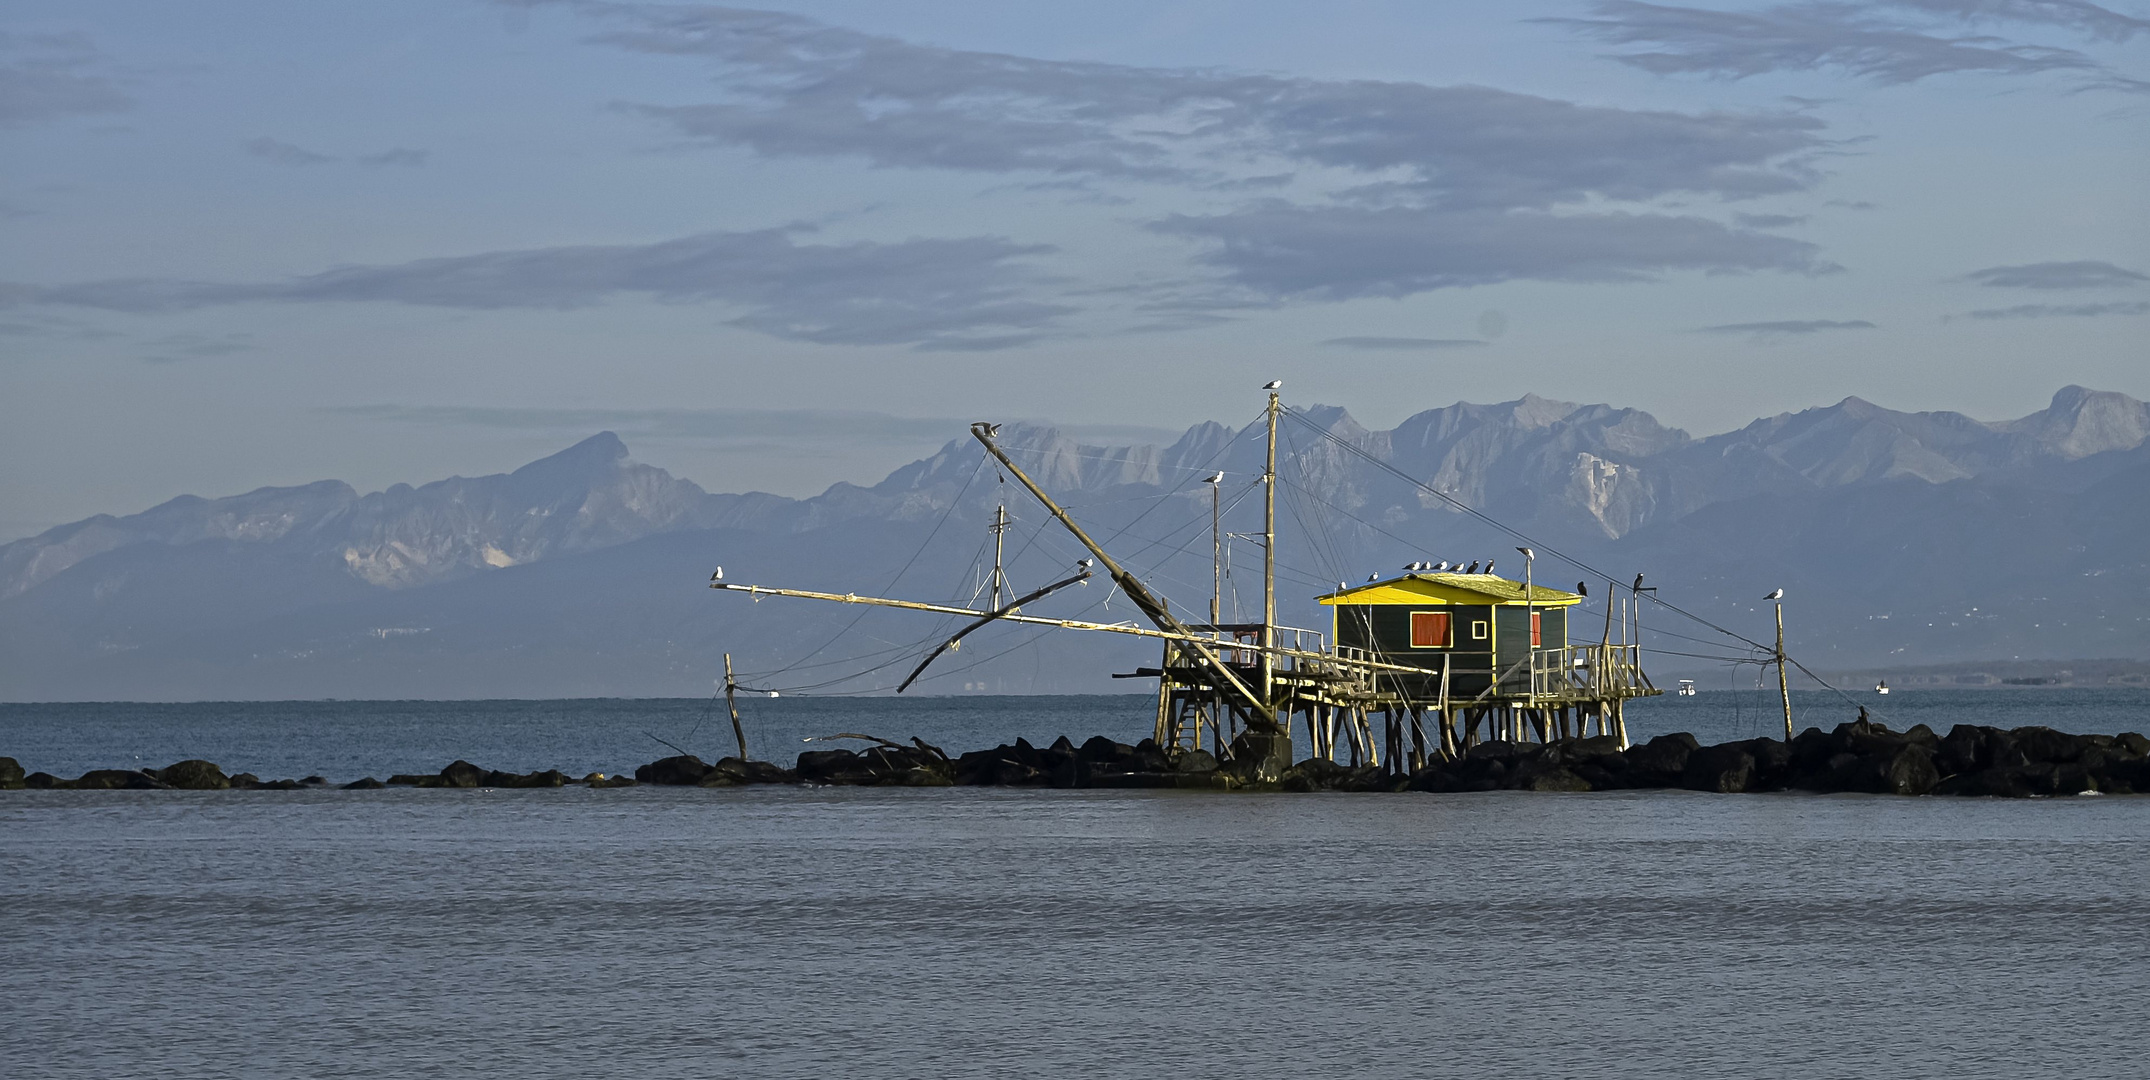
point(264, 243)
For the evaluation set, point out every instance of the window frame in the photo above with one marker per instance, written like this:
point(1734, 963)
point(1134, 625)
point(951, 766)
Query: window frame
point(1446, 620)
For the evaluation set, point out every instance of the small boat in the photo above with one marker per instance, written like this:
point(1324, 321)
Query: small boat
point(1687, 688)
point(1881, 687)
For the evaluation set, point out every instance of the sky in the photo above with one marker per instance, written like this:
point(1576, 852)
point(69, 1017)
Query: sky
point(247, 244)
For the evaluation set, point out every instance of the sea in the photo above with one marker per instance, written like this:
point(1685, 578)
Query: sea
point(840, 932)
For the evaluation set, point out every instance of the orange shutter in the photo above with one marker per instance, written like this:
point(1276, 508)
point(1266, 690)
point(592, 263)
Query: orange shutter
point(1429, 630)
point(1537, 626)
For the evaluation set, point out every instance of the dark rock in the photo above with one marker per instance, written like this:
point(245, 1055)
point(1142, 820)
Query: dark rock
point(248, 780)
point(1907, 769)
point(1061, 744)
point(731, 771)
point(2047, 745)
point(462, 774)
point(1556, 778)
point(412, 780)
point(600, 780)
point(1726, 768)
point(314, 781)
point(41, 781)
point(1196, 761)
point(547, 778)
point(1313, 774)
point(1661, 762)
point(2134, 743)
point(11, 777)
point(195, 774)
point(1148, 757)
point(1959, 752)
point(273, 785)
point(364, 784)
point(1259, 758)
point(680, 770)
point(101, 779)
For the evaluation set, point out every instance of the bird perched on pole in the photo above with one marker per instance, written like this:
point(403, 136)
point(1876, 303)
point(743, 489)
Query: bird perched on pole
point(1775, 595)
point(1214, 478)
point(718, 576)
point(1273, 384)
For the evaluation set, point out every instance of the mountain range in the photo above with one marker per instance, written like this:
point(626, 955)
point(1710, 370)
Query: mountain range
point(1900, 538)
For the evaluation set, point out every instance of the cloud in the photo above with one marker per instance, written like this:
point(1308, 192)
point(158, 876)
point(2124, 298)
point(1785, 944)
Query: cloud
point(1405, 344)
point(43, 77)
point(795, 87)
point(1769, 221)
point(1282, 250)
point(1788, 326)
point(934, 294)
point(2084, 274)
point(283, 153)
point(176, 348)
point(396, 156)
point(2045, 311)
point(1890, 42)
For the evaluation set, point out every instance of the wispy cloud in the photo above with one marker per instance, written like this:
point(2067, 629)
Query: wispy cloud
point(1405, 344)
point(396, 156)
point(1436, 159)
point(52, 76)
point(176, 348)
point(2047, 311)
point(1769, 221)
point(933, 294)
point(1888, 42)
point(1787, 327)
point(279, 152)
point(2083, 274)
point(1284, 250)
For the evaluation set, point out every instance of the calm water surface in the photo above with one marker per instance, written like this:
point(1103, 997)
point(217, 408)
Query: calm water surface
point(954, 933)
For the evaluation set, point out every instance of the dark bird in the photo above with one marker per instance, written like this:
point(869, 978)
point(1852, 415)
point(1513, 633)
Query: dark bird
point(1474, 567)
point(1777, 595)
point(1273, 384)
point(1582, 588)
point(992, 431)
point(1489, 566)
point(718, 576)
point(1637, 587)
point(1085, 564)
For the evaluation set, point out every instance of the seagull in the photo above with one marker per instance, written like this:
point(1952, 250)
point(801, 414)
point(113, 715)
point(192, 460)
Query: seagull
point(1440, 566)
point(1273, 384)
point(992, 431)
point(718, 576)
point(1582, 588)
point(1489, 566)
point(1216, 478)
point(1371, 578)
point(1085, 564)
point(1637, 587)
point(1473, 569)
point(1777, 595)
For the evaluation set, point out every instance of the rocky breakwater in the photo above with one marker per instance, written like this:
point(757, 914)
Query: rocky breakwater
point(1855, 757)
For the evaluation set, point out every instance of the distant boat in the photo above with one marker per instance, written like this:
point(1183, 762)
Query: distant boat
point(1687, 688)
point(1881, 687)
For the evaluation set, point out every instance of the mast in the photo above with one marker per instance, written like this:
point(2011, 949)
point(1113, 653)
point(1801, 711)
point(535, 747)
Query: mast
point(999, 526)
point(1784, 686)
point(1269, 563)
point(1216, 554)
point(1139, 593)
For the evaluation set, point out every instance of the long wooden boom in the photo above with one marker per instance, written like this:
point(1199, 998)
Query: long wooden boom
point(1065, 624)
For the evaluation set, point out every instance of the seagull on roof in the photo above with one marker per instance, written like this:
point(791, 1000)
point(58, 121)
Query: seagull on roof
point(1215, 478)
point(1777, 595)
point(1273, 384)
point(1371, 578)
point(1440, 566)
point(718, 576)
point(1474, 567)
point(1489, 566)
